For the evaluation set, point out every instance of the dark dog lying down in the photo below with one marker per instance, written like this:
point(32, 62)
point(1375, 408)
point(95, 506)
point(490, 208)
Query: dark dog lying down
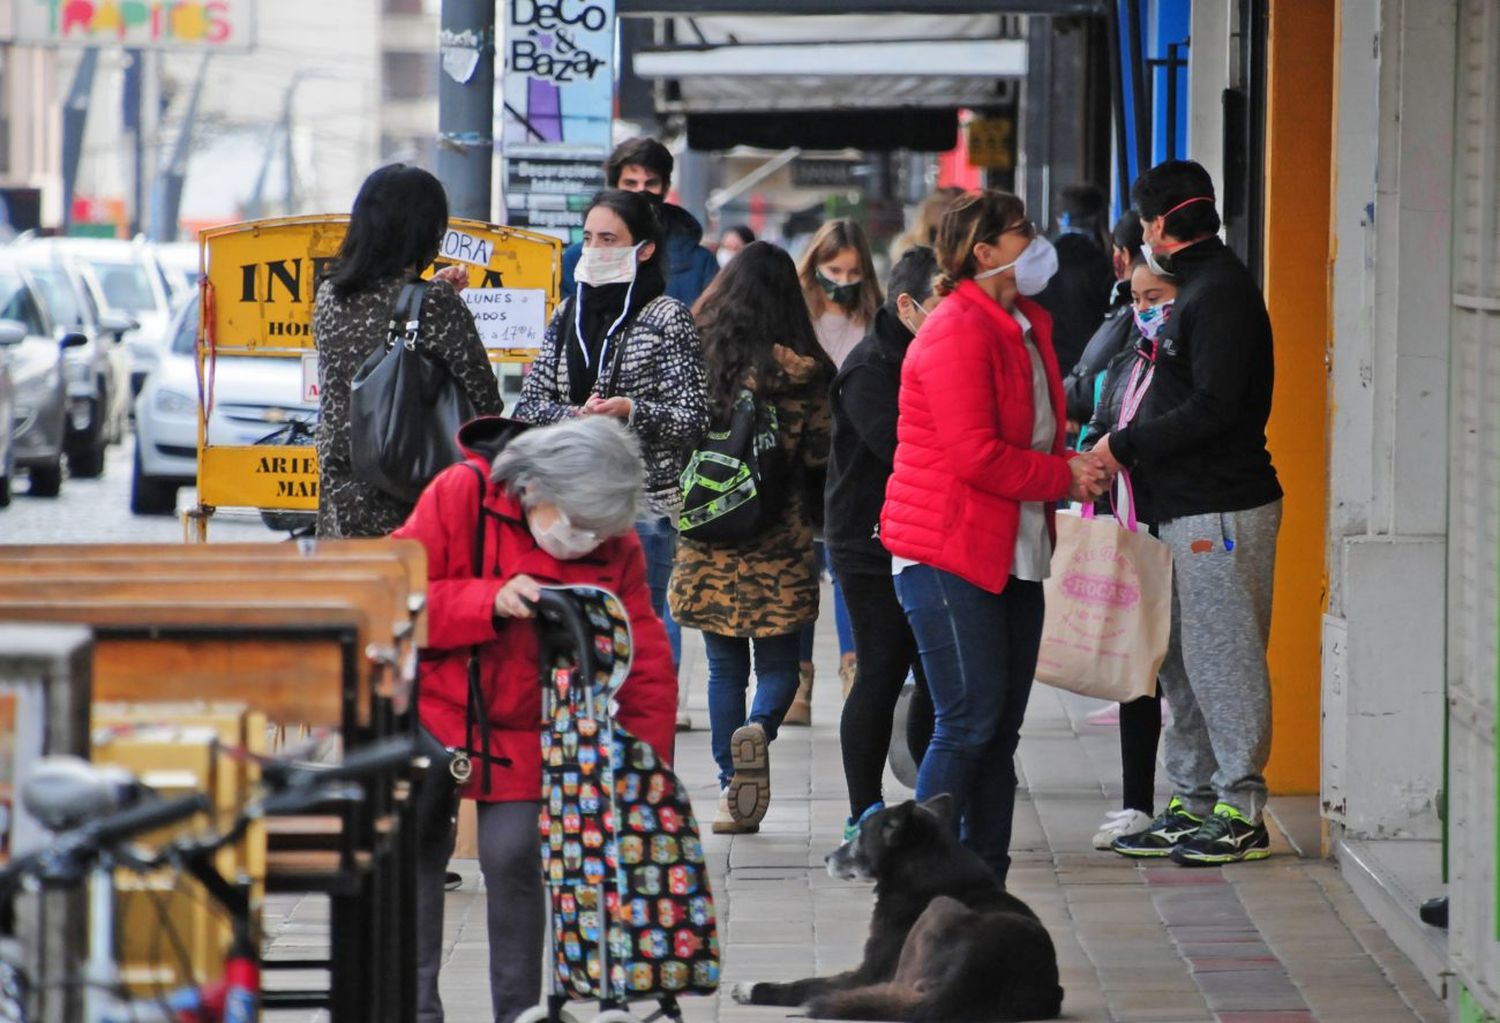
point(947, 943)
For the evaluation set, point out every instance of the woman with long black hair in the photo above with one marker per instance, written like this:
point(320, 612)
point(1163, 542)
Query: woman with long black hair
point(760, 591)
point(622, 347)
point(397, 225)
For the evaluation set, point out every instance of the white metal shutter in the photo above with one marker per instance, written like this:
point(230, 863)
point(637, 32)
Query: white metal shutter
point(1474, 515)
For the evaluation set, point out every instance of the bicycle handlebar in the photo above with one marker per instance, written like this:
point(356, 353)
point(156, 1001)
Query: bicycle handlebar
point(357, 765)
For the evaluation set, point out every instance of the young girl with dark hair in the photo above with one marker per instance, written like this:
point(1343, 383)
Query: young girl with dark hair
point(761, 591)
point(394, 234)
point(622, 347)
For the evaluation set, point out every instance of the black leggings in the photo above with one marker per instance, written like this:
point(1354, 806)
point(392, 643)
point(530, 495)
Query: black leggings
point(885, 650)
point(1140, 731)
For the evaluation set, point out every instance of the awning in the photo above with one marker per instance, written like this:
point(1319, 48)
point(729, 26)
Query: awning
point(853, 62)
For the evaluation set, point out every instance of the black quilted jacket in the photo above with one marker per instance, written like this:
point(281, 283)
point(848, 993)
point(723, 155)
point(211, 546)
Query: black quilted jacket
point(662, 373)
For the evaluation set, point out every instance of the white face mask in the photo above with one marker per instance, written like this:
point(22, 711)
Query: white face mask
point(563, 540)
point(599, 266)
point(723, 256)
point(1034, 267)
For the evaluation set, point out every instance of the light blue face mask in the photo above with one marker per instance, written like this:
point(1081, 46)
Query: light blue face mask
point(1149, 322)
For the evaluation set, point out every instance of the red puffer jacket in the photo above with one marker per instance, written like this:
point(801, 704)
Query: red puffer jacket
point(460, 615)
point(963, 440)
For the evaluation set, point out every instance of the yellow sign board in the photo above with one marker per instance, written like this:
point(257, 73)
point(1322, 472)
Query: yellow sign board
point(260, 281)
point(992, 143)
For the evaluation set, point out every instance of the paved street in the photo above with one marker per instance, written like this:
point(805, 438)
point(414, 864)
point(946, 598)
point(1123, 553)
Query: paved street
point(98, 511)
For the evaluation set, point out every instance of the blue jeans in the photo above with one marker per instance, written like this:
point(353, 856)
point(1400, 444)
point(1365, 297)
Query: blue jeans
point(840, 611)
point(979, 652)
point(660, 542)
point(729, 677)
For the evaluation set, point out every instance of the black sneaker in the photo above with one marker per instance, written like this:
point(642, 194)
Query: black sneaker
point(1226, 837)
point(1163, 836)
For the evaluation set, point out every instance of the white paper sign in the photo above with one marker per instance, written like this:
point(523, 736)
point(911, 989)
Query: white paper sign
point(508, 317)
point(465, 248)
point(310, 378)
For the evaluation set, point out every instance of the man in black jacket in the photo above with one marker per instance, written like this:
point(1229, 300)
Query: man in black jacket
point(1200, 439)
point(859, 465)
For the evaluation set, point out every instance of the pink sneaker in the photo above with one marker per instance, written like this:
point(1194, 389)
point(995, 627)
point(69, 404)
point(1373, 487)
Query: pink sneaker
point(1109, 715)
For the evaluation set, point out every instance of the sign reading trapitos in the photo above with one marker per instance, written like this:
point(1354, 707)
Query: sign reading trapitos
point(260, 281)
point(220, 26)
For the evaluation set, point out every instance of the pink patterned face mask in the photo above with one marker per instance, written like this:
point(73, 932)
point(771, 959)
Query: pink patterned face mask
point(1150, 320)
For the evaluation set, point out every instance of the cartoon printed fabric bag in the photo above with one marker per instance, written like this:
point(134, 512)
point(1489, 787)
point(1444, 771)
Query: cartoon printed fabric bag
point(632, 863)
point(1109, 606)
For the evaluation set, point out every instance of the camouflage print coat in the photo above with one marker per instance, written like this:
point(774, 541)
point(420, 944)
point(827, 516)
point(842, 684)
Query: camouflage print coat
point(766, 585)
point(346, 331)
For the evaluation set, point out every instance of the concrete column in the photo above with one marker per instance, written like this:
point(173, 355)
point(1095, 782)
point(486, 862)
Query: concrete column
point(1384, 631)
point(1208, 74)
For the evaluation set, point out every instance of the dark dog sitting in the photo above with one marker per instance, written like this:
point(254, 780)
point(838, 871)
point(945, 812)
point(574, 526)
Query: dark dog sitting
point(947, 943)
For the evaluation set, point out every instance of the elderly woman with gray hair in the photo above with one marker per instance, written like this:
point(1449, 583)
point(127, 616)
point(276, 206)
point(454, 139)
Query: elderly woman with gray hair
point(533, 507)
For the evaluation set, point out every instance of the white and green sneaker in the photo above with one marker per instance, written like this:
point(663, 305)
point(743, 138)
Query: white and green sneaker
point(1173, 827)
point(1226, 837)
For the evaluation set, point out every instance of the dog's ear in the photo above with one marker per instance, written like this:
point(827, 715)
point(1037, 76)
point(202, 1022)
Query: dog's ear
point(896, 822)
point(941, 807)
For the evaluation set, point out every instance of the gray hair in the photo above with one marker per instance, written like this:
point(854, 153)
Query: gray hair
point(589, 467)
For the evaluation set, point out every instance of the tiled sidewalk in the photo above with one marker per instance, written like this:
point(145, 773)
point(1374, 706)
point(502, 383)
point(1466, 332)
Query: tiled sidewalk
point(1280, 941)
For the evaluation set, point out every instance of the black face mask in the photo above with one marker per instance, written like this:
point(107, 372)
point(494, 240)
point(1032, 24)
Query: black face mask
point(846, 295)
point(655, 198)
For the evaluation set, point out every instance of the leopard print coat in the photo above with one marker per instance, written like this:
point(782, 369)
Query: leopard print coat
point(766, 585)
point(346, 331)
point(662, 373)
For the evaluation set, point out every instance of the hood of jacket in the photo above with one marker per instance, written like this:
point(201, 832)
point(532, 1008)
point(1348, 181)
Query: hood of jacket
point(682, 229)
point(485, 436)
point(799, 369)
point(893, 336)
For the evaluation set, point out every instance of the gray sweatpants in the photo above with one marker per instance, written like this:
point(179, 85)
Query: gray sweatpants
point(511, 860)
point(1215, 677)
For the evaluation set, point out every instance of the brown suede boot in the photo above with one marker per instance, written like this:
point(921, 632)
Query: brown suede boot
point(800, 712)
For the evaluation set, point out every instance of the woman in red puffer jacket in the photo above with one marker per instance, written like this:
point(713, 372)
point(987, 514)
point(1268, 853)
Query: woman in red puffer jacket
point(981, 460)
point(559, 508)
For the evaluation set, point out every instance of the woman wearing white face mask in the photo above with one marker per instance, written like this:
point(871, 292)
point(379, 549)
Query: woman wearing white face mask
point(557, 507)
point(981, 461)
point(621, 347)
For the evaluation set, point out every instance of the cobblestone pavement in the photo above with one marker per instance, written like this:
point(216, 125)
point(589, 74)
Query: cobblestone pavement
point(1281, 941)
point(98, 511)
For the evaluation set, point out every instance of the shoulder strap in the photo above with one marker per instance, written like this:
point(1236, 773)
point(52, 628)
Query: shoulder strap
point(406, 314)
point(479, 529)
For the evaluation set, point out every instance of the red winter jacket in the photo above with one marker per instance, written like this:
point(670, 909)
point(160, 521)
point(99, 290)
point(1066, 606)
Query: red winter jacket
point(963, 440)
point(460, 615)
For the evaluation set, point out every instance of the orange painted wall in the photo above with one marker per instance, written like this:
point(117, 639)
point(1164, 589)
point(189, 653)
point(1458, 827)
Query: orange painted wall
point(1299, 156)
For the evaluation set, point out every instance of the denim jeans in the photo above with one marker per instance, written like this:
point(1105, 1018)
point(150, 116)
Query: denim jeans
point(728, 678)
point(840, 611)
point(979, 652)
point(660, 542)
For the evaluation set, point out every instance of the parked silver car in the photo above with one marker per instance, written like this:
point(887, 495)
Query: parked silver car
point(34, 361)
point(97, 373)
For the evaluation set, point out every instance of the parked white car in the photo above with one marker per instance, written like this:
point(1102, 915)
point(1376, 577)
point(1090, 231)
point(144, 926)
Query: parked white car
point(254, 398)
point(179, 264)
point(126, 281)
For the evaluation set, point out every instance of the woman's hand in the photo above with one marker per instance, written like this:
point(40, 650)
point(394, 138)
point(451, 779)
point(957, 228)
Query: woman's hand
point(1090, 478)
point(456, 276)
point(510, 602)
point(620, 408)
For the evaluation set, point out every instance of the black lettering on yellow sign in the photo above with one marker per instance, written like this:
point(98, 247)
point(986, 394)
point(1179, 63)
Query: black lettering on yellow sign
point(298, 475)
point(282, 279)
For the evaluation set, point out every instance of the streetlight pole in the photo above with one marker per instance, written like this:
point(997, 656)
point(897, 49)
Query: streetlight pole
point(466, 106)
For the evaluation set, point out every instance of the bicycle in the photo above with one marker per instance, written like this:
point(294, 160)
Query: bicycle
point(64, 793)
